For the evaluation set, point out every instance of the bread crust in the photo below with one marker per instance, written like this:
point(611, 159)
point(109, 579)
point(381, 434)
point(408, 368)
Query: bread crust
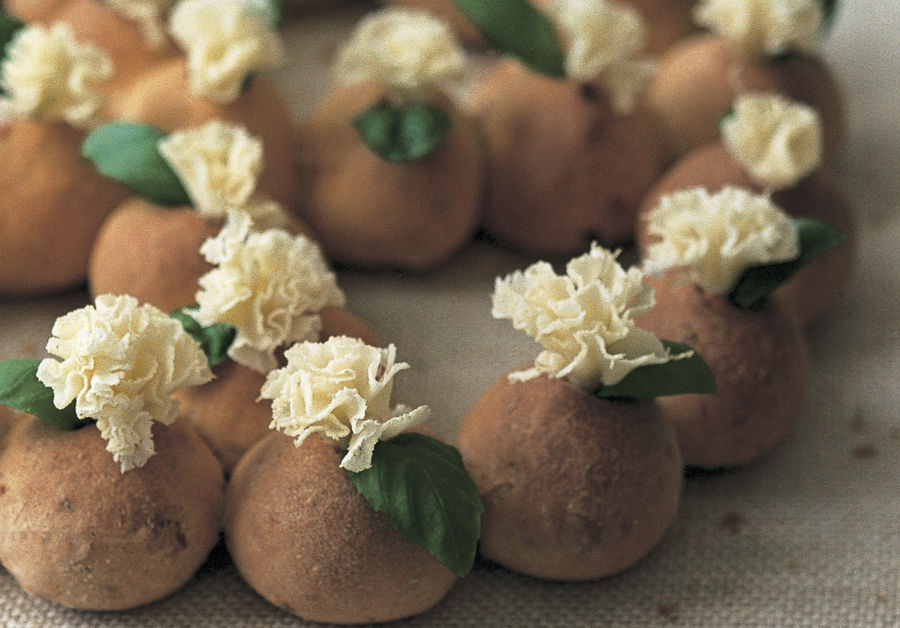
point(78, 532)
point(574, 487)
point(306, 540)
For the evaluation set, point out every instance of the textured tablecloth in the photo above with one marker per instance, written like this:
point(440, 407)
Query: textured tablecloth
point(807, 536)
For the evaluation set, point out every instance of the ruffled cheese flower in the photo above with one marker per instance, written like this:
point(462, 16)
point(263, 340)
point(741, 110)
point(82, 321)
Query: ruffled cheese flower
point(341, 389)
point(408, 51)
point(121, 361)
point(149, 14)
point(758, 28)
point(269, 285)
point(715, 238)
point(219, 164)
point(777, 140)
point(48, 77)
point(604, 40)
point(584, 319)
point(225, 41)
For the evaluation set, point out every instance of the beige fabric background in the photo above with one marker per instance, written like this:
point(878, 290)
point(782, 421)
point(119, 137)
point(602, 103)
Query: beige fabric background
point(808, 536)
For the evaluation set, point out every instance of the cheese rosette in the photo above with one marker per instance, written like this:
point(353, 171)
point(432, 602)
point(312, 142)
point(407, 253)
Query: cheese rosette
point(759, 28)
point(120, 363)
point(715, 238)
point(48, 76)
point(584, 319)
point(269, 285)
point(605, 40)
point(408, 51)
point(777, 140)
point(225, 42)
point(219, 163)
point(341, 389)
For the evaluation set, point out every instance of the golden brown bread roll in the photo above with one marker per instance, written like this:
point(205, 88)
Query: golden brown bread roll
point(306, 540)
point(574, 487)
point(78, 532)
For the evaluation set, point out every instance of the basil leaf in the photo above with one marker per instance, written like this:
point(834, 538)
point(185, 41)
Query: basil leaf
point(421, 486)
point(829, 9)
point(271, 11)
point(757, 283)
point(128, 153)
point(676, 377)
point(214, 340)
point(516, 27)
point(9, 26)
point(21, 389)
point(400, 134)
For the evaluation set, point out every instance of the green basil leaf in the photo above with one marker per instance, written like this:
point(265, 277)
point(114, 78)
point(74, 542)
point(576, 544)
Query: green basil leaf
point(829, 9)
point(21, 389)
point(214, 340)
point(757, 283)
point(726, 118)
point(128, 153)
point(421, 486)
point(676, 377)
point(400, 134)
point(517, 28)
point(9, 26)
point(271, 11)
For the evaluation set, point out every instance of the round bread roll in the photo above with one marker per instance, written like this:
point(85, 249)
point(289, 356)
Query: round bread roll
point(52, 203)
point(306, 540)
point(33, 10)
point(151, 253)
point(78, 532)
point(228, 412)
point(700, 77)
point(563, 169)
point(816, 288)
point(8, 418)
point(760, 363)
point(574, 487)
point(370, 213)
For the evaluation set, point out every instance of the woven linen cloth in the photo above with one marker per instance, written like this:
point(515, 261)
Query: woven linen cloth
point(807, 536)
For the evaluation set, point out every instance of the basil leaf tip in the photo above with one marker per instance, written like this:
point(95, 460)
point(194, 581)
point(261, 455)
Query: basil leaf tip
point(402, 133)
point(214, 340)
point(128, 153)
point(20, 389)
point(518, 28)
point(757, 283)
point(680, 376)
point(421, 486)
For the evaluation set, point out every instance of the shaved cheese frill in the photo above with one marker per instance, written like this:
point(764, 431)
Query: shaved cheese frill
point(604, 41)
point(584, 319)
point(715, 238)
point(121, 362)
point(778, 141)
point(49, 77)
point(408, 51)
point(759, 28)
point(341, 389)
point(225, 42)
point(269, 285)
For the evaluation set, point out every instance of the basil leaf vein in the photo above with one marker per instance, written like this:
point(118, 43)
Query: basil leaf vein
point(128, 153)
point(421, 486)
